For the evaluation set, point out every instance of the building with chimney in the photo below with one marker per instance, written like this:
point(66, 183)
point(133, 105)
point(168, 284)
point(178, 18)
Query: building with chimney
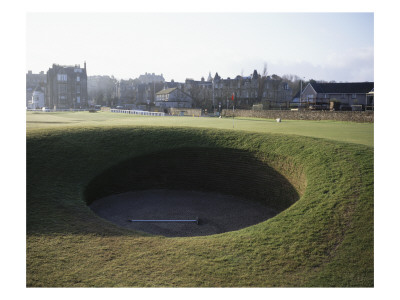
point(173, 97)
point(149, 78)
point(66, 87)
point(271, 91)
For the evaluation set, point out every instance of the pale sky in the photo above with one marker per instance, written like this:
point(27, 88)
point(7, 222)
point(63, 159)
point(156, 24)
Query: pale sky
point(321, 46)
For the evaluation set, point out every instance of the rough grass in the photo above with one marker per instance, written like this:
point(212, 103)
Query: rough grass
point(324, 239)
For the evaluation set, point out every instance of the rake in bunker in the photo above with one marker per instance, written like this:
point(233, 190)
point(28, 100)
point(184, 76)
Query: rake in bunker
point(197, 221)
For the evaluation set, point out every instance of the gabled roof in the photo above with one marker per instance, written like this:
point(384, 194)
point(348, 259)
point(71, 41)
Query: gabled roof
point(38, 89)
point(343, 88)
point(166, 91)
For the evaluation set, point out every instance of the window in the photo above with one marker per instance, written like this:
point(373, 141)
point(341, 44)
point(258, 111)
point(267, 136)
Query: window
point(353, 96)
point(78, 89)
point(78, 78)
point(62, 77)
point(78, 99)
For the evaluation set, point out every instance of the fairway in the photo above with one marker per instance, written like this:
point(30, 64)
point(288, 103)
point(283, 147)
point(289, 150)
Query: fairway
point(359, 133)
point(318, 176)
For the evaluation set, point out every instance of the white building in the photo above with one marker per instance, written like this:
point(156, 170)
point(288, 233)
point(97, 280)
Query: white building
point(37, 100)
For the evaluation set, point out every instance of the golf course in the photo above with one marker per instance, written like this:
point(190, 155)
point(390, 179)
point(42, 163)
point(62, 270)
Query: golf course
point(317, 175)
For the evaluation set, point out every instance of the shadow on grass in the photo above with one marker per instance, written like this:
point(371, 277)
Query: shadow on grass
point(59, 209)
point(46, 122)
point(254, 119)
point(222, 170)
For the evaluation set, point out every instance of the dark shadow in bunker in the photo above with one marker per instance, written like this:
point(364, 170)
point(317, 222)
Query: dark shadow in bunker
point(227, 189)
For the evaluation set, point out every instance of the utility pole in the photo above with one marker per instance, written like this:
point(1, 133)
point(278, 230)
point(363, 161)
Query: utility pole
point(233, 110)
point(301, 88)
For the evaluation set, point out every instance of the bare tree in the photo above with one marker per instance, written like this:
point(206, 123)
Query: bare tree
point(262, 80)
point(293, 81)
point(196, 93)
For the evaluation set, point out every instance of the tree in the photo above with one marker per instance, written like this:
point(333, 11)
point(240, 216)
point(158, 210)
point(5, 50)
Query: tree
point(275, 83)
point(196, 94)
point(101, 88)
point(239, 87)
point(262, 81)
point(293, 82)
point(312, 81)
point(227, 90)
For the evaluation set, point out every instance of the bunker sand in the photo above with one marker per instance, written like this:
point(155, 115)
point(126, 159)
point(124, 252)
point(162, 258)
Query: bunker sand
point(217, 213)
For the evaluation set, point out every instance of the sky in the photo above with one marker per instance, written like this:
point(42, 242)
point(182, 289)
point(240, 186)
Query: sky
point(322, 46)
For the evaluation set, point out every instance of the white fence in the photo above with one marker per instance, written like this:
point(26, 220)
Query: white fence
point(138, 112)
point(55, 110)
point(113, 110)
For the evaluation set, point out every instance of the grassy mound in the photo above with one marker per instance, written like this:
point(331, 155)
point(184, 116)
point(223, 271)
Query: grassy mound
point(324, 239)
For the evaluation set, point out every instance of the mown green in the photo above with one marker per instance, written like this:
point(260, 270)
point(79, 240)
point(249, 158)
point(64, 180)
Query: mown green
point(359, 133)
point(324, 239)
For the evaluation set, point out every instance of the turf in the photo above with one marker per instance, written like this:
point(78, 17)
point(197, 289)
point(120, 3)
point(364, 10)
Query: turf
point(360, 133)
point(323, 239)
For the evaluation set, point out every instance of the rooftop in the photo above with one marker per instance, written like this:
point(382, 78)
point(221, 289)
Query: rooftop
point(347, 88)
point(166, 91)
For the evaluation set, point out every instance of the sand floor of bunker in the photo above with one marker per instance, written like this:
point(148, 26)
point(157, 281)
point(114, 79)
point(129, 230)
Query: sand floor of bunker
point(217, 213)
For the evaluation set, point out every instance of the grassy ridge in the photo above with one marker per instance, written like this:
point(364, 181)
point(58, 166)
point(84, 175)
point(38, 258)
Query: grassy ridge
point(324, 239)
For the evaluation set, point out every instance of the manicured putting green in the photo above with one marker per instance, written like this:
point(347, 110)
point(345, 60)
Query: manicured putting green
point(359, 133)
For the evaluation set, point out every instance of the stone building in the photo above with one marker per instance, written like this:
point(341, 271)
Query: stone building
point(133, 92)
point(101, 89)
point(173, 97)
point(66, 87)
point(173, 84)
point(139, 91)
point(127, 91)
point(200, 91)
point(149, 78)
point(271, 91)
